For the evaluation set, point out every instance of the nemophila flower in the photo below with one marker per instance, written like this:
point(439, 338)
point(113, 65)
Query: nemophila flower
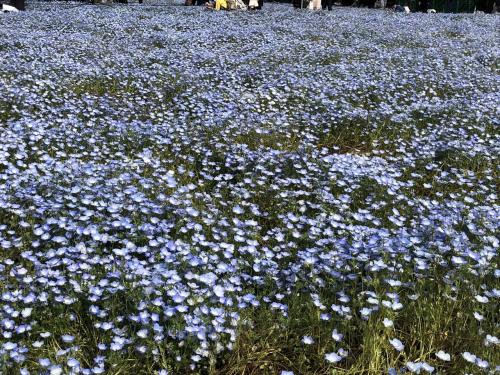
point(414, 367)
point(397, 344)
point(116, 346)
point(337, 336)
point(469, 357)
point(482, 299)
point(365, 312)
point(238, 210)
point(9, 346)
point(481, 363)
point(73, 363)
point(67, 338)
point(491, 340)
point(143, 333)
point(191, 211)
point(417, 367)
point(37, 344)
point(105, 326)
point(443, 355)
point(426, 367)
point(219, 291)
point(55, 370)
point(388, 323)
point(62, 352)
point(325, 316)
point(98, 370)
point(333, 357)
point(308, 340)
point(342, 352)
point(478, 316)
point(44, 362)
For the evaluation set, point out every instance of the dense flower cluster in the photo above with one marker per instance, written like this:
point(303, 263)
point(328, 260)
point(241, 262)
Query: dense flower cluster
point(163, 170)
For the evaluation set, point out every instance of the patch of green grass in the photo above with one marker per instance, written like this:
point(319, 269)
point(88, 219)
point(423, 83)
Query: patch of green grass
point(268, 343)
point(270, 140)
point(100, 86)
point(451, 34)
point(9, 111)
point(330, 59)
point(451, 173)
point(362, 135)
point(157, 43)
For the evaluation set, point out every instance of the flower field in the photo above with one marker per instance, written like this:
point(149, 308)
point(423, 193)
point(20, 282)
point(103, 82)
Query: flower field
point(275, 192)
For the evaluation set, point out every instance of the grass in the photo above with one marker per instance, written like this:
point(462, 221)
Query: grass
point(9, 111)
point(269, 140)
point(363, 135)
point(268, 343)
point(100, 86)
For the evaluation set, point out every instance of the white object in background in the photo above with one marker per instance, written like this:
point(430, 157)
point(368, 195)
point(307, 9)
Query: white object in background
point(401, 9)
point(253, 4)
point(8, 8)
point(431, 10)
point(240, 4)
point(314, 5)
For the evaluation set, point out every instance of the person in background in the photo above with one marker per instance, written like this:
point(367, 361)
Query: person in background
point(314, 5)
point(423, 5)
point(11, 5)
point(6, 8)
point(327, 4)
point(218, 5)
point(254, 4)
